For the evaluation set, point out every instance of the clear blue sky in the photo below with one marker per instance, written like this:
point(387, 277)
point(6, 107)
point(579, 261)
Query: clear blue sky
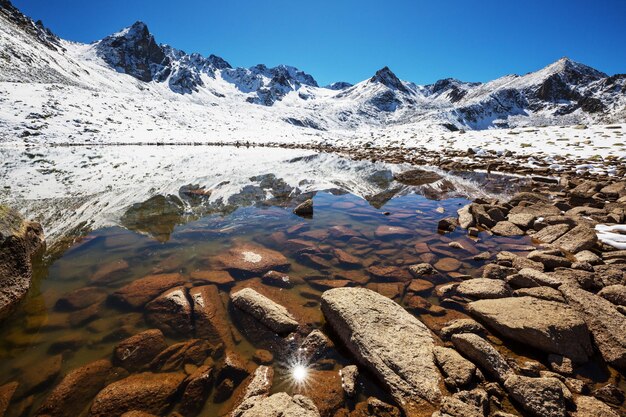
point(421, 41)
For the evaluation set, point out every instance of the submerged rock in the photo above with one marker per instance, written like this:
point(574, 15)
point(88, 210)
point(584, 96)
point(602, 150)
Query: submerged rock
point(171, 312)
point(19, 240)
point(304, 209)
point(210, 316)
point(546, 325)
point(139, 350)
point(389, 341)
point(417, 177)
point(247, 258)
point(141, 291)
point(271, 314)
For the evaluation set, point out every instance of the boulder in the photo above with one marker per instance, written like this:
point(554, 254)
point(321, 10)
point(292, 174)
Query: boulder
point(147, 392)
point(349, 375)
point(280, 404)
point(543, 293)
point(591, 407)
point(34, 378)
point(506, 228)
point(615, 294)
point(277, 279)
point(466, 219)
point(138, 351)
point(199, 385)
point(171, 312)
point(459, 371)
point(6, 394)
point(393, 344)
point(271, 314)
point(605, 322)
point(251, 259)
point(210, 316)
point(461, 326)
point(551, 233)
point(580, 238)
point(545, 325)
point(254, 390)
point(193, 351)
point(479, 351)
point(80, 299)
point(141, 291)
point(541, 397)
point(416, 177)
point(383, 232)
point(483, 288)
point(76, 390)
point(304, 209)
point(19, 240)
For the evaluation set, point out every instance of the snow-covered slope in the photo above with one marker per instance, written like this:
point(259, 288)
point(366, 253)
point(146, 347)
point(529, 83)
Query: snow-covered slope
point(129, 88)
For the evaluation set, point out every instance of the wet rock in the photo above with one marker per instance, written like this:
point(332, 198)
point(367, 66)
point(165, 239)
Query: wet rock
point(541, 397)
point(223, 390)
point(458, 371)
point(198, 388)
point(447, 264)
point(609, 393)
point(420, 285)
point(345, 259)
point(545, 325)
point(141, 291)
point(138, 351)
point(615, 294)
point(466, 219)
point(210, 316)
point(37, 377)
point(263, 357)
point(234, 368)
point(271, 314)
point(375, 407)
point(389, 273)
point(315, 345)
point(483, 288)
point(580, 238)
point(80, 299)
point(560, 364)
point(417, 177)
point(6, 394)
point(392, 343)
point(19, 240)
point(449, 224)
point(383, 232)
point(76, 390)
point(193, 351)
point(326, 391)
point(280, 404)
point(304, 209)
point(257, 388)
point(494, 271)
point(246, 258)
point(420, 270)
point(461, 326)
point(349, 375)
point(543, 293)
point(591, 407)
point(343, 233)
point(147, 392)
point(277, 279)
point(506, 228)
point(603, 320)
point(171, 312)
point(109, 272)
point(479, 351)
point(219, 278)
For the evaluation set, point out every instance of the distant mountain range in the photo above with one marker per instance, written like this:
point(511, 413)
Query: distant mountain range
point(564, 92)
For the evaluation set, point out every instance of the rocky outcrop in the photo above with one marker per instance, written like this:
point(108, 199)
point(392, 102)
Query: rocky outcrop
point(541, 397)
point(605, 322)
point(271, 314)
point(76, 390)
point(147, 392)
point(546, 325)
point(19, 241)
point(389, 341)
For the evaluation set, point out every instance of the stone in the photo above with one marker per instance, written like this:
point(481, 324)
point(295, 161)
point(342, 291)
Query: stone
point(495, 271)
point(545, 325)
point(549, 260)
point(349, 375)
point(345, 259)
point(603, 320)
point(280, 404)
point(147, 392)
point(588, 256)
point(591, 407)
point(315, 345)
point(420, 285)
point(389, 273)
point(447, 264)
point(251, 259)
point(271, 314)
point(580, 238)
point(506, 228)
point(417, 177)
point(395, 346)
point(326, 391)
point(615, 294)
point(19, 241)
point(210, 316)
point(37, 377)
point(383, 232)
point(483, 288)
point(466, 219)
point(540, 278)
point(458, 371)
point(193, 351)
point(80, 299)
point(137, 352)
point(74, 393)
point(220, 278)
point(198, 387)
point(541, 397)
point(223, 390)
point(263, 357)
point(522, 220)
point(6, 394)
point(277, 279)
point(256, 388)
point(419, 270)
point(610, 393)
point(543, 293)
point(449, 224)
point(479, 351)
point(461, 326)
point(171, 312)
point(109, 272)
point(561, 364)
point(374, 407)
point(139, 292)
point(304, 209)
point(551, 233)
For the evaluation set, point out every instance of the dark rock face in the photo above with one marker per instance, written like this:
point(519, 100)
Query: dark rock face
point(19, 240)
point(387, 77)
point(35, 29)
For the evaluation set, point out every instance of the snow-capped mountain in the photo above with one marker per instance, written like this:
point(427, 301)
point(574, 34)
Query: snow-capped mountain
point(199, 94)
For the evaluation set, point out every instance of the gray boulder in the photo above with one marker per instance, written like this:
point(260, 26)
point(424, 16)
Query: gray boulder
point(271, 314)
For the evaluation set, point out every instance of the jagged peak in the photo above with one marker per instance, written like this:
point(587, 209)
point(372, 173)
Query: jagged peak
point(568, 68)
point(137, 30)
point(386, 77)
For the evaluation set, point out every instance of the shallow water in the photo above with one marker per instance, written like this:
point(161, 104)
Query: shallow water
point(191, 240)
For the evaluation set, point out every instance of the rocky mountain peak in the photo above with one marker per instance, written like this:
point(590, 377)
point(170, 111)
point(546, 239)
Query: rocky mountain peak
point(386, 77)
point(35, 29)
